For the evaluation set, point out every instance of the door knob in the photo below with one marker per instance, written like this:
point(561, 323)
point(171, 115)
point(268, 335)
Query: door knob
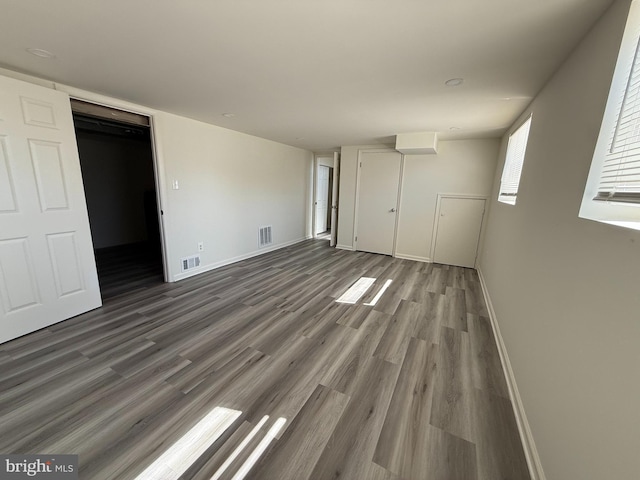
point(392, 210)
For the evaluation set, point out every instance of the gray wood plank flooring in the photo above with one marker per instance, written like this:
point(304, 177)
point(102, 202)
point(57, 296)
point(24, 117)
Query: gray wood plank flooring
point(410, 388)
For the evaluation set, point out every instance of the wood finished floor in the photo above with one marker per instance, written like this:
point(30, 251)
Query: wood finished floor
point(410, 388)
point(129, 267)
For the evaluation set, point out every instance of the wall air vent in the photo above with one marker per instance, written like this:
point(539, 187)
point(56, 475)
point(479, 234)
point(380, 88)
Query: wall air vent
point(264, 236)
point(189, 263)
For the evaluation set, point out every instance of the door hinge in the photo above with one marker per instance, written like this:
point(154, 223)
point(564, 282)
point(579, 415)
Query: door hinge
point(356, 239)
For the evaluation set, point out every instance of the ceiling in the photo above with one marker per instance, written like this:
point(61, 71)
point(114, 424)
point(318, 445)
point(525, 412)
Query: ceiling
point(316, 74)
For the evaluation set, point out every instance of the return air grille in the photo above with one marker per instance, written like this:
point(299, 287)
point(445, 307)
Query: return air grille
point(264, 236)
point(189, 263)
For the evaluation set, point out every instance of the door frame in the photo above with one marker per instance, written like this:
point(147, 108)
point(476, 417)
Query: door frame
point(334, 199)
point(398, 197)
point(335, 165)
point(156, 157)
point(436, 219)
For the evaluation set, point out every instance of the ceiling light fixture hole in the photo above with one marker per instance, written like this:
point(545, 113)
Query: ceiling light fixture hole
point(454, 82)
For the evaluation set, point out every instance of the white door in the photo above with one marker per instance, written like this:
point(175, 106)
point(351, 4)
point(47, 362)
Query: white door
point(322, 198)
point(47, 266)
point(334, 200)
point(379, 179)
point(458, 227)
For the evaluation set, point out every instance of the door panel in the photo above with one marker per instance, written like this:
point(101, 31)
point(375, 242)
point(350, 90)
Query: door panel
point(22, 290)
point(65, 260)
point(7, 190)
point(378, 201)
point(458, 231)
point(47, 267)
point(47, 165)
point(334, 200)
point(322, 199)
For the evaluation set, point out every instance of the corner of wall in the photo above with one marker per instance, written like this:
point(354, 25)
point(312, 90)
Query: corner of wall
point(528, 443)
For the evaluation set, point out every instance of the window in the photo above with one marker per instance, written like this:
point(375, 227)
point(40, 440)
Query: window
point(513, 163)
point(612, 193)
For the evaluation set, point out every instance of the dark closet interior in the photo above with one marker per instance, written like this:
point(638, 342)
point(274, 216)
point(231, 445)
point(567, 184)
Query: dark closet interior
point(116, 158)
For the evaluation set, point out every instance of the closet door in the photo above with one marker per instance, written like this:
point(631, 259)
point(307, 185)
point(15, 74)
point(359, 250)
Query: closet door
point(458, 230)
point(47, 266)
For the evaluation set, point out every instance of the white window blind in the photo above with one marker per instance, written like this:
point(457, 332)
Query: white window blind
point(513, 163)
point(620, 175)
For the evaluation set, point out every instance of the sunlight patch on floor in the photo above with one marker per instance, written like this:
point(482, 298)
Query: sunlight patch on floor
point(179, 457)
point(356, 291)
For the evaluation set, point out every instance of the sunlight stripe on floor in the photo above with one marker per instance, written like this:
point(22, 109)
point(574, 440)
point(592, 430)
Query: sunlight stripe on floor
point(356, 291)
point(239, 449)
point(179, 457)
point(379, 294)
point(259, 450)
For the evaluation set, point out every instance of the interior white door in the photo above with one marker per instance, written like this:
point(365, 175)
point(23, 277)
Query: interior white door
point(322, 198)
point(47, 266)
point(379, 179)
point(459, 222)
point(334, 200)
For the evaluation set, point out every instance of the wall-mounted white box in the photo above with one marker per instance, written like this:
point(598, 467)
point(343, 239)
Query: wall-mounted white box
point(417, 143)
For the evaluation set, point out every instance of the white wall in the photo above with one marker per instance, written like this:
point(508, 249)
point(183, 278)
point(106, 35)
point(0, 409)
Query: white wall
point(460, 167)
point(230, 184)
point(566, 291)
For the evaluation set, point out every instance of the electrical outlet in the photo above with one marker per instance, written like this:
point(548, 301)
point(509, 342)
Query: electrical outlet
point(200, 246)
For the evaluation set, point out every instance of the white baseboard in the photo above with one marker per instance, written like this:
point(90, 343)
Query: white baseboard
point(228, 261)
point(413, 257)
point(528, 444)
point(344, 247)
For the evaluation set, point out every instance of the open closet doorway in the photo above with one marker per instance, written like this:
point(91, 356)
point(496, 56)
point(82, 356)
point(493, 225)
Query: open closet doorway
point(325, 209)
point(118, 171)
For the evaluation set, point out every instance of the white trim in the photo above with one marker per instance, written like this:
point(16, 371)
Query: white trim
point(318, 162)
point(344, 247)
point(398, 203)
point(28, 78)
point(334, 199)
point(415, 258)
point(314, 195)
point(526, 437)
point(158, 161)
point(105, 100)
point(229, 261)
point(356, 204)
